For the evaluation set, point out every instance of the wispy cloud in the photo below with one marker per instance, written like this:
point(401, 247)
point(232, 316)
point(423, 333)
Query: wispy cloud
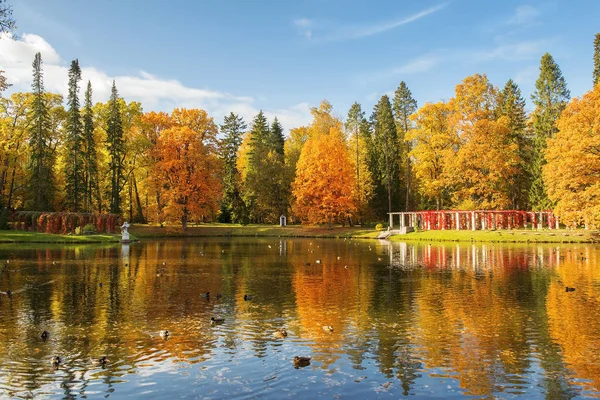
point(154, 92)
point(332, 32)
point(508, 52)
point(523, 15)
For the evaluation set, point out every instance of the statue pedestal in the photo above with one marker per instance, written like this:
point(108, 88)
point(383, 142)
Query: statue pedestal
point(125, 237)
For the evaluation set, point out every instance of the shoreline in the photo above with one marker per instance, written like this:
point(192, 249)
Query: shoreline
point(147, 232)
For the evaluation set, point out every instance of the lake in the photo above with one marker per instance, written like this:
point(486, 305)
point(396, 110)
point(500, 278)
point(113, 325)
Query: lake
point(430, 320)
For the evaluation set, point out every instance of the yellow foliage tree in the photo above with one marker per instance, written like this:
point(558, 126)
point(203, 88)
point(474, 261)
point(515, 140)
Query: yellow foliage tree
point(572, 174)
point(324, 182)
point(432, 149)
point(486, 161)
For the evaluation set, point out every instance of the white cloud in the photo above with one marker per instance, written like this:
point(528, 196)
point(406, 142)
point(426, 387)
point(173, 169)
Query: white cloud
point(155, 93)
point(524, 14)
point(328, 32)
point(418, 65)
point(527, 75)
point(522, 50)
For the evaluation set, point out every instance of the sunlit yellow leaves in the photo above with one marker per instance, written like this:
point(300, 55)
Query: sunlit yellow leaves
point(572, 174)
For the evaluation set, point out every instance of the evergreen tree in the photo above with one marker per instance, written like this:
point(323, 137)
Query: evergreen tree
point(512, 105)
point(385, 139)
point(596, 74)
point(404, 106)
point(74, 170)
point(550, 98)
point(355, 120)
point(116, 150)
point(41, 179)
point(90, 162)
point(233, 207)
point(276, 137)
point(254, 184)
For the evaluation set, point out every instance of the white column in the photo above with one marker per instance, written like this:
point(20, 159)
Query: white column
point(473, 220)
point(457, 222)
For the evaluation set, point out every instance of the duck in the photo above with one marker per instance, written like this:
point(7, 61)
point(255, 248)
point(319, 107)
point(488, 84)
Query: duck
point(569, 289)
point(280, 333)
point(9, 294)
point(301, 361)
point(248, 297)
point(219, 295)
point(100, 284)
point(45, 335)
point(307, 264)
point(164, 334)
point(318, 261)
point(328, 328)
point(205, 295)
point(55, 361)
point(339, 258)
point(270, 246)
point(215, 321)
point(100, 361)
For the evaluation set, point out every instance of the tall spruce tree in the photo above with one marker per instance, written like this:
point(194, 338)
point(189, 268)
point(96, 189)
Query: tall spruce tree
point(354, 122)
point(255, 188)
point(116, 150)
point(596, 74)
point(550, 98)
point(404, 106)
point(90, 163)
point(41, 178)
point(512, 105)
point(75, 189)
point(385, 138)
point(276, 137)
point(233, 207)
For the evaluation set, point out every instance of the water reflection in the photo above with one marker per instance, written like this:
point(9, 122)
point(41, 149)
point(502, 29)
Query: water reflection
point(424, 319)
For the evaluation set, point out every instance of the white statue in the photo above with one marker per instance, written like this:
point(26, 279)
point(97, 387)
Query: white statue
point(124, 232)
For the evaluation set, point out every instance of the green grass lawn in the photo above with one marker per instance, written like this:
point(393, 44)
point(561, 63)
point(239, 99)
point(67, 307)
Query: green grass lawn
point(36, 237)
point(504, 236)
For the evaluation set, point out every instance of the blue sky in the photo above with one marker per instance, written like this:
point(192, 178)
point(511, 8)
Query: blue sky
point(286, 56)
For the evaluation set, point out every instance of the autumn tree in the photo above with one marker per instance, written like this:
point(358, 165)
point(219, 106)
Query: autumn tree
point(432, 150)
point(190, 169)
point(14, 128)
point(233, 207)
point(404, 107)
point(41, 178)
point(572, 173)
point(73, 165)
point(486, 161)
point(385, 139)
point(90, 162)
point(550, 98)
point(324, 180)
point(116, 150)
point(596, 73)
point(512, 105)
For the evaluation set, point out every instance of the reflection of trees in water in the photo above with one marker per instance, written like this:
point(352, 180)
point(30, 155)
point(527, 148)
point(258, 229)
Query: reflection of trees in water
point(483, 314)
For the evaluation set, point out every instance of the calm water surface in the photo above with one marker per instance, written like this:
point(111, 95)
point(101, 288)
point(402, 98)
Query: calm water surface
point(434, 321)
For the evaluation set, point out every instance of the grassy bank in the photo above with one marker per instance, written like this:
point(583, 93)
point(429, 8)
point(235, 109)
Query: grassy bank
point(227, 230)
point(36, 237)
point(507, 236)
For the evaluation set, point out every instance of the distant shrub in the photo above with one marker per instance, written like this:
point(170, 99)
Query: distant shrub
point(88, 229)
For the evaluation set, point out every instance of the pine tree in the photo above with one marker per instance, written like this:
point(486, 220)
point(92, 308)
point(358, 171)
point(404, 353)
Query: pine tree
point(404, 107)
point(255, 195)
point(512, 105)
point(596, 75)
point(550, 97)
point(90, 162)
point(74, 169)
point(276, 137)
point(233, 207)
point(355, 120)
point(41, 179)
point(116, 150)
point(385, 139)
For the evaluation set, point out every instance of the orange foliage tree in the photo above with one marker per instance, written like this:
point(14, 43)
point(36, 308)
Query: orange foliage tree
point(189, 168)
point(324, 179)
point(572, 174)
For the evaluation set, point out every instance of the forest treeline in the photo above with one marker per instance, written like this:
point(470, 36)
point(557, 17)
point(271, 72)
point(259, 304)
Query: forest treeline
point(478, 150)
